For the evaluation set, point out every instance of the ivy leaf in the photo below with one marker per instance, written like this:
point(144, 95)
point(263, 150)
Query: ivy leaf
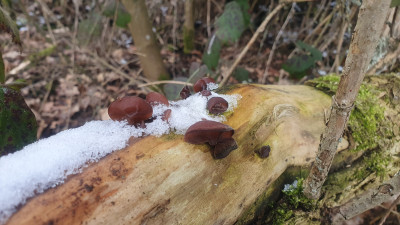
point(241, 74)
point(18, 124)
point(244, 5)
point(123, 17)
point(89, 28)
point(395, 3)
point(212, 52)
point(298, 65)
point(314, 53)
point(231, 24)
point(8, 25)
point(172, 90)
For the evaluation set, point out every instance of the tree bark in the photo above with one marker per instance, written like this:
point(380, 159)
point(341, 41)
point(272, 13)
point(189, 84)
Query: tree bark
point(370, 21)
point(145, 41)
point(188, 27)
point(167, 181)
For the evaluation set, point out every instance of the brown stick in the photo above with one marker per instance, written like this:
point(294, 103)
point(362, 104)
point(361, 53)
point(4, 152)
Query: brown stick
point(271, 54)
point(364, 41)
point(259, 30)
point(387, 213)
point(368, 200)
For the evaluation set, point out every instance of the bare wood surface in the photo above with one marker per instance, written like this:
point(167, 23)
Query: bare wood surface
point(167, 181)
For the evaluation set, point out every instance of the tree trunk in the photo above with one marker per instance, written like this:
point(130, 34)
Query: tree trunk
point(145, 41)
point(188, 27)
point(167, 181)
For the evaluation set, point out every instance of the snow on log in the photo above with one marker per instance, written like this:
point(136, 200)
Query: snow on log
point(163, 180)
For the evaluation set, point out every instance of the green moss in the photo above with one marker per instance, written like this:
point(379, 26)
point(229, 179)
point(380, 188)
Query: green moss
point(227, 88)
point(327, 84)
point(367, 116)
point(42, 54)
point(264, 207)
point(376, 162)
point(293, 199)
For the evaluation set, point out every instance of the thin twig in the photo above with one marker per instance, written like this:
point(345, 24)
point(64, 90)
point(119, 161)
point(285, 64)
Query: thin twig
point(336, 63)
point(165, 82)
point(208, 19)
point(43, 5)
point(387, 213)
point(76, 4)
point(271, 53)
point(259, 30)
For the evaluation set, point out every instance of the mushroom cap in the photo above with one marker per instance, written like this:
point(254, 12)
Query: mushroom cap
point(131, 108)
point(210, 132)
point(217, 105)
point(185, 92)
point(222, 149)
point(264, 151)
point(154, 98)
point(201, 84)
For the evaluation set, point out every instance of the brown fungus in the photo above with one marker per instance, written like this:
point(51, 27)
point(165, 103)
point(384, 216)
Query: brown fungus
point(166, 115)
point(185, 92)
point(215, 134)
point(154, 98)
point(201, 84)
point(131, 108)
point(263, 152)
point(217, 105)
point(205, 93)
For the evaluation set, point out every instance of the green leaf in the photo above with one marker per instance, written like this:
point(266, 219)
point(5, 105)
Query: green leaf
point(315, 53)
point(89, 28)
point(298, 65)
point(123, 17)
point(18, 124)
point(8, 25)
point(231, 24)
point(212, 52)
point(395, 3)
point(172, 90)
point(244, 5)
point(241, 74)
point(197, 72)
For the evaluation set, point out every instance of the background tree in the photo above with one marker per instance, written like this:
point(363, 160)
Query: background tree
point(145, 42)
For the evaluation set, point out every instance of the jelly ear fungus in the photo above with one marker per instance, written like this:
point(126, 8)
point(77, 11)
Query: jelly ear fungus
point(216, 134)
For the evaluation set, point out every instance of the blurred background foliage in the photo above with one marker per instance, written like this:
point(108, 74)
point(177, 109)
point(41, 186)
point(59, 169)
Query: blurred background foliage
point(78, 56)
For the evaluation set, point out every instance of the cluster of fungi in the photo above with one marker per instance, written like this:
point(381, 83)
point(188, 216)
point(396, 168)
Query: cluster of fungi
point(138, 112)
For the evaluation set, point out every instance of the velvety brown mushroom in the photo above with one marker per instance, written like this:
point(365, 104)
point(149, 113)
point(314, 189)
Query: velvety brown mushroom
point(131, 108)
point(185, 92)
point(201, 84)
point(217, 105)
point(154, 98)
point(215, 134)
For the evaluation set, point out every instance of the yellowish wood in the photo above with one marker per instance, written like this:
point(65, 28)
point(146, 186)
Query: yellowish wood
point(167, 181)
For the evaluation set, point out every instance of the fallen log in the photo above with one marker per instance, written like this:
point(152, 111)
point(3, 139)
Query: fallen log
point(167, 181)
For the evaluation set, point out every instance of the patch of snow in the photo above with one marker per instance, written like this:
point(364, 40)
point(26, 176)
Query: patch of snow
point(290, 187)
point(47, 162)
